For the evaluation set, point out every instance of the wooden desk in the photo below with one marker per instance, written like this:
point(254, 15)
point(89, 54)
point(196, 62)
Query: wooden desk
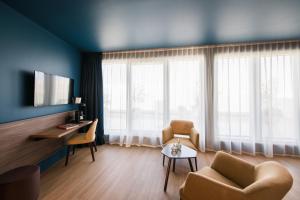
point(55, 133)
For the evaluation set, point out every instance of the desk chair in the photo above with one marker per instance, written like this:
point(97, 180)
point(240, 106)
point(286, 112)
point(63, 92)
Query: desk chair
point(87, 138)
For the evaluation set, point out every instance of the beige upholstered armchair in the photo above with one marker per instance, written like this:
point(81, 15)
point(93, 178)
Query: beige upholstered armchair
point(181, 127)
point(232, 178)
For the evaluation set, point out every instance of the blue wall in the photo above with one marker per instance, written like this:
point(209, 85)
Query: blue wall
point(25, 47)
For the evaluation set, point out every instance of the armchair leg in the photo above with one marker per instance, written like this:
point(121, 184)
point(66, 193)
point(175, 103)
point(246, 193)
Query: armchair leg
point(67, 156)
point(92, 151)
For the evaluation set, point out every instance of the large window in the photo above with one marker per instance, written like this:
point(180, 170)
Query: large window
point(115, 99)
point(146, 97)
point(241, 98)
point(233, 74)
point(256, 100)
point(142, 96)
point(279, 97)
point(186, 90)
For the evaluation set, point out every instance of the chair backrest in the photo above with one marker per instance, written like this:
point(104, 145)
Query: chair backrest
point(182, 127)
point(90, 135)
point(272, 181)
point(233, 168)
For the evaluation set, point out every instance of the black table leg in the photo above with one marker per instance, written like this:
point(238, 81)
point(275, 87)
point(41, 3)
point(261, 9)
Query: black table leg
point(196, 164)
point(174, 161)
point(191, 166)
point(164, 160)
point(167, 175)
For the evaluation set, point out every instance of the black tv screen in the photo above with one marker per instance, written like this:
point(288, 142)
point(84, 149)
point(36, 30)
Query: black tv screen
point(52, 89)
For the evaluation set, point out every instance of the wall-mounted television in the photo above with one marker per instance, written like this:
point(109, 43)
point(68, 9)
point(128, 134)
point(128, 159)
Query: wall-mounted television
point(52, 89)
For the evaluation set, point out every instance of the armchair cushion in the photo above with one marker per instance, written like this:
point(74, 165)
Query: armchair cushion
point(211, 173)
point(185, 141)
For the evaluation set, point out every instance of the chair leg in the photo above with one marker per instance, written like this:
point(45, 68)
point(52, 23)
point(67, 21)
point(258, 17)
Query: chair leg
point(95, 146)
point(92, 151)
point(74, 146)
point(67, 156)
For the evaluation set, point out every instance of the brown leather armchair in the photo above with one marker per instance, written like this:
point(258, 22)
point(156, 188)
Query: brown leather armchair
point(232, 178)
point(181, 127)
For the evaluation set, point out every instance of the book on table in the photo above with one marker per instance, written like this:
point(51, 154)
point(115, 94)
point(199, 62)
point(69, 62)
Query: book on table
point(67, 126)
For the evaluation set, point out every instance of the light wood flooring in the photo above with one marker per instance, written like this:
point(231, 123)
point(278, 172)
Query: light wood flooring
point(131, 173)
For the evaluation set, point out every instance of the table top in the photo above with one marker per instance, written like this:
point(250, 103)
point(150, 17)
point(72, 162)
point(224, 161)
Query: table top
point(54, 133)
point(185, 152)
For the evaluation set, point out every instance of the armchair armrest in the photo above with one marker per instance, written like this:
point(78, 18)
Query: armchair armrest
point(167, 134)
point(195, 137)
point(272, 181)
point(235, 169)
point(198, 186)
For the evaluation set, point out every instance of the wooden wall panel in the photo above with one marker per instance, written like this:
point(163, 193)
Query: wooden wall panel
point(17, 149)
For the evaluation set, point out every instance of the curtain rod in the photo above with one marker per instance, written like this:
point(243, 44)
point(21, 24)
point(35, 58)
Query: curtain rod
point(205, 46)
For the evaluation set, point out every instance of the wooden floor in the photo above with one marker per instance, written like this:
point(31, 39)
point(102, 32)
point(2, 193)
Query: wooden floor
point(131, 173)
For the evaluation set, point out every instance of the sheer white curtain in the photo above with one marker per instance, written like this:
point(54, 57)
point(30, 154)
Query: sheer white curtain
point(145, 102)
point(256, 99)
point(142, 95)
point(241, 98)
point(115, 98)
point(187, 92)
